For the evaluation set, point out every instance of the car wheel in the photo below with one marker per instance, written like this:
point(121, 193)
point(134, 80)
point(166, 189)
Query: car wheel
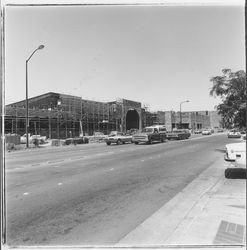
point(118, 142)
point(150, 141)
point(108, 143)
point(136, 142)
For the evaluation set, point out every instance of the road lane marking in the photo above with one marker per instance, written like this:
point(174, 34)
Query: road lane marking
point(60, 183)
point(26, 193)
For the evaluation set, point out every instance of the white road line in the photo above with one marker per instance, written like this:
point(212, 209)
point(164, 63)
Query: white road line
point(60, 183)
point(26, 193)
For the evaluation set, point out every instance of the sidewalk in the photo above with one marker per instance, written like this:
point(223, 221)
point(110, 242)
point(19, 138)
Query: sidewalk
point(210, 211)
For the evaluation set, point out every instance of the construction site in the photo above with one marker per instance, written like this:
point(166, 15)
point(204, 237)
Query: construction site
point(59, 116)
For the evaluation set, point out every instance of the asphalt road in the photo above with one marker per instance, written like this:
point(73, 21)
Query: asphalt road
point(94, 194)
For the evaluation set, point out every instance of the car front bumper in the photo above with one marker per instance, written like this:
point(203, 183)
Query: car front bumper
point(140, 139)
point(234, 136)
point(226, 158)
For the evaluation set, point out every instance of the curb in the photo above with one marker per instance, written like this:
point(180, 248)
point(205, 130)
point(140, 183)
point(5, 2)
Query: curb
point(175, 215)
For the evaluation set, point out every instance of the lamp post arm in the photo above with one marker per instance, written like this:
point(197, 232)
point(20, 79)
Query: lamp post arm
point(31, 55)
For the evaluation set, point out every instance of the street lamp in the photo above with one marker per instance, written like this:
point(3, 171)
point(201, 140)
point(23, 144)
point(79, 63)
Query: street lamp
point(59, 103)
point(27, 118)
point(181, 112)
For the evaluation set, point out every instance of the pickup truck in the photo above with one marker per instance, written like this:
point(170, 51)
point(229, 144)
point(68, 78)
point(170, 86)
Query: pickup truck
point(31, 138)
point(178, 134)
point(150, 134)
point(118, 138)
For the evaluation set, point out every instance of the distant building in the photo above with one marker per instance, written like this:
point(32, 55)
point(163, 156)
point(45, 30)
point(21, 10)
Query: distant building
point(193, 120)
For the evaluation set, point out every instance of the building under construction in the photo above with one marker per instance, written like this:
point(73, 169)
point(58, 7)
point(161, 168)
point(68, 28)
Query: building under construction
point(61, 116)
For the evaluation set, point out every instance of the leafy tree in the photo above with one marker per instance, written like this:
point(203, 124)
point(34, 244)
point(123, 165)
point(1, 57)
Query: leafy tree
point(231, 88)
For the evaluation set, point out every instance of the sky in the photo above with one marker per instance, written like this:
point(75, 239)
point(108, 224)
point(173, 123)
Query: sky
point(159, 55)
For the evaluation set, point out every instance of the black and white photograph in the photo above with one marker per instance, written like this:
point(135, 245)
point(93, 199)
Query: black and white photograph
point(123, 124)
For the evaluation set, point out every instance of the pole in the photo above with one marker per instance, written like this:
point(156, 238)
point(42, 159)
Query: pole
point(27, 118)
point(181, 113)
point(180, 125)
point(49, 125)
point(58, 126)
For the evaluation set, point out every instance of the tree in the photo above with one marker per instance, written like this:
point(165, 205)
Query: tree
point(231, 88)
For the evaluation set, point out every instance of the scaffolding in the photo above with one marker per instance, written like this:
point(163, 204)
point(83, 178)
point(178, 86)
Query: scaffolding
point(70, 119)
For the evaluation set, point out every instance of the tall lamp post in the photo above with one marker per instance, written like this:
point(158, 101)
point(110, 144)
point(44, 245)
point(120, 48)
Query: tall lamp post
point(181, 112)
point(27, 118)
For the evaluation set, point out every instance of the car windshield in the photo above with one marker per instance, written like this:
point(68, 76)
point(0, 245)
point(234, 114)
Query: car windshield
point(113, 133)
point(147, 130)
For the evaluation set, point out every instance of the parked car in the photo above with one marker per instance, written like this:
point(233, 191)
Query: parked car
point(178, 134)
point(118, 138)
point(150, 134)
point(33, 138)
point(235, 150)
point(220, 130)
point(77, 140)
point(99, 136)
point(234, 134)
point(206, 132)
point(236, 153)
point(197, 131)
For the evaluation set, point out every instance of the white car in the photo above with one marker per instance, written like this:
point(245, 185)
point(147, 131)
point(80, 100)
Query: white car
point(118, 138)
point(206, 132)
point(31, 138)
point(236, 152)
point(234, 134)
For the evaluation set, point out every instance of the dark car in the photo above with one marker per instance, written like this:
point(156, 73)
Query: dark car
point(77, 140)
point(178, 134)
